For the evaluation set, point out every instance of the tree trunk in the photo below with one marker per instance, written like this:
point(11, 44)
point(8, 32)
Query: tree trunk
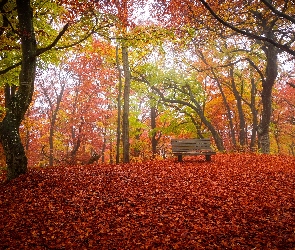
point(77, 140)
point(200, 112)
point(266, 95)
point(263, 128)
point(216, 136)
point(228, 112)
point(58, 103)
point(242, 129)
point(254, 115)
point(53, 118)
point(153, 127)
point(125, 128)
point(17, 106)
point(104, 144)
point(51, 155)
point(119, 108)
point(16, 159)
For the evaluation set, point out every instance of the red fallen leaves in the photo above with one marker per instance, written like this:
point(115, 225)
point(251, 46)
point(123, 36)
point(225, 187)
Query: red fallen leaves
point(236, 201)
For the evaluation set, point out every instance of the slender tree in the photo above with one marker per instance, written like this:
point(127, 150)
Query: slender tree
point(125, 127)
point(119, 104)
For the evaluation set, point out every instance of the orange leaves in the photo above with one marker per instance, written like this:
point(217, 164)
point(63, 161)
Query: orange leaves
point(237, 201)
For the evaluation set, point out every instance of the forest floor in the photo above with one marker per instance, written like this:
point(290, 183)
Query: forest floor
point(236, 201)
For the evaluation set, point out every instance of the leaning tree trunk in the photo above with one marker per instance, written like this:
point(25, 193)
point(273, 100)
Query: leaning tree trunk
point(199, 110)
point(228, 111)
point(16, 159)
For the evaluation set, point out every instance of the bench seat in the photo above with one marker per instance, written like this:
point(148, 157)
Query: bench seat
point(182, 147)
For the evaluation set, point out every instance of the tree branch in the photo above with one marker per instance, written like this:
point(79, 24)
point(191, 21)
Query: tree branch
point(39, 51)
point(246, 33)
point(50, 46)
point(277, 12)
point(291, 84)
point(257, 69)
point(4, 71)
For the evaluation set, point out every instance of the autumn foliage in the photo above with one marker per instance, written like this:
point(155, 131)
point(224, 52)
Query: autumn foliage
point(236, 201)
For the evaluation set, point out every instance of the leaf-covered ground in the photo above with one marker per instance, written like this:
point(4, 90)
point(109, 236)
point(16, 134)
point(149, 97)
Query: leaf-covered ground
point(236, 201)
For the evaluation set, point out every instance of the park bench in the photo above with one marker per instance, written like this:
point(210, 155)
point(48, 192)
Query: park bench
point(182, 147)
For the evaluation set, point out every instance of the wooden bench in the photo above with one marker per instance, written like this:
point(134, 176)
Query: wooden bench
point(182, 147)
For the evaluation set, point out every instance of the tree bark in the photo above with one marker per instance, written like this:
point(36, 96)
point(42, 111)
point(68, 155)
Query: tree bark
point(242, 128)
point(266, 95)
point(104, 145)
point(125, 127)
point(17, 106)
point(119, 104)
point(254, 115)
point(153, 127)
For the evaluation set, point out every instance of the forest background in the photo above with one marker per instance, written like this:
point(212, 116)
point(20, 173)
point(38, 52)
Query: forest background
point(88, 81)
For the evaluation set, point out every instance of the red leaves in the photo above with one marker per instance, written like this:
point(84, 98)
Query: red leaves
point(235, 201)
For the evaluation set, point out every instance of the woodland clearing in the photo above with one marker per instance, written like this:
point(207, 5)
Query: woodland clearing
point(236, 201)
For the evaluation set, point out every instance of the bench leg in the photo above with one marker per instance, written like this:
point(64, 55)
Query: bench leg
point(208, 157)
point(179, 158)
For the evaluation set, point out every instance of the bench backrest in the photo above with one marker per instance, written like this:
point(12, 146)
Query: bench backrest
point(186, 145)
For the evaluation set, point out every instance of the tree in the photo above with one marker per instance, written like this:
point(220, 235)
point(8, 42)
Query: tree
point(53, 99)
point(125, 127)
point(19, 101)
point(173, 88)
point(267, 24)
point(284, 44)
point(24, 54)
point(118, 140)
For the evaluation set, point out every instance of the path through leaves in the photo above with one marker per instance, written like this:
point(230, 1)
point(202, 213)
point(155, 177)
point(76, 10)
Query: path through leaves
point(236, 201)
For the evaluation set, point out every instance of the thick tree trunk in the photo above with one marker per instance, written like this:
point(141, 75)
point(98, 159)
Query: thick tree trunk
point(263, 128)
point(125, 127)
point(17, 106)
point(16, 159)
point(267, 85)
